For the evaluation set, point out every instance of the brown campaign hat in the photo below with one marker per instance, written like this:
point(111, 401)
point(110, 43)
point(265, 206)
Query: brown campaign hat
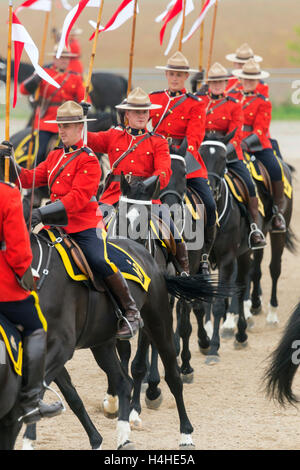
point(70, 112)
point(178, 63)
point(217, 72)
point(137, 99)
point(251, 70)
point(242, 54)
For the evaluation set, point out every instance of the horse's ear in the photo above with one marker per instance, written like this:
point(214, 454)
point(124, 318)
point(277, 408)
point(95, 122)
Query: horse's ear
point(229, 136)
point(125, 186)
point(152, 186)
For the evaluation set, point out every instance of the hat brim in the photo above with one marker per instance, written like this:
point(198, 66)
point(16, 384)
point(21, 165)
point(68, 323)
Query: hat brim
point(173, 69)
point(69, 55)
point(238, 60)
point(219, 79)
point(128, 107)
point(69, 121)
point(240, 74)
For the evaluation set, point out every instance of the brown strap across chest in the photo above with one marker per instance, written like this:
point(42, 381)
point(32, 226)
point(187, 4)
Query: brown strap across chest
point(76, 154)
point(170, 110)
point(216, 106)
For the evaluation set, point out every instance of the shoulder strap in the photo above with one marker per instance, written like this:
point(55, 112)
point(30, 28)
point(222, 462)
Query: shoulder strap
point(116, 163)
point(217, 105)
point(250, 102)
point(64, 166)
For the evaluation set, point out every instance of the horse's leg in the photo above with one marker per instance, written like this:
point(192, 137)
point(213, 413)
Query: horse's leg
point(184, 328)
point(256, 307)
point(219, 311)
point(138, 371)
point(244, 265)
point(153, 397)
point(277, 246)
point(203, 338)
point(8, 434)
point(120, 383)
point(124, 351)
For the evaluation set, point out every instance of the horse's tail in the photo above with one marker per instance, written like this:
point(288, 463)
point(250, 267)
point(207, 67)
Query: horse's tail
point(279, 376)
point(290, 240)
point(199, 287)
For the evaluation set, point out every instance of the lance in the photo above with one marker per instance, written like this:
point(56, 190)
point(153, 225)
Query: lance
point(212, 36)
point(201, 41)
point(182, 25)
point(131, 54)
point(91, 65)
point(37, 93)
point(8, 80)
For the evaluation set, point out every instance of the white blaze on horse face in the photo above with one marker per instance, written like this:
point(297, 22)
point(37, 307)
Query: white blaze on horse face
point(212, 150)
point(132, 215)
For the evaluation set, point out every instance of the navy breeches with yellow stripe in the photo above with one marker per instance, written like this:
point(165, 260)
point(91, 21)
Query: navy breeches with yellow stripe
point(26, 313)
point(97, 251)
point(241, 169)
point(271, 162)
point(201, 186)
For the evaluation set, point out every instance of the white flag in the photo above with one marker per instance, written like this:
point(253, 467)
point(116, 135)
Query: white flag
point(176, 28)
point(206, 7)
point(121, 15)
point(44, 5)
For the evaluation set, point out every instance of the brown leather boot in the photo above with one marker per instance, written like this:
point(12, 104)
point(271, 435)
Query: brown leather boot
point(183, 258)
point(256, 237)
point(132, 318)
point(278, 222)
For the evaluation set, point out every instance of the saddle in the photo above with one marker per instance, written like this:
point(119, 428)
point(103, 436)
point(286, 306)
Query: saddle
point(240, 191)
point(260, 173)
point(193, 203)
point(165, 235)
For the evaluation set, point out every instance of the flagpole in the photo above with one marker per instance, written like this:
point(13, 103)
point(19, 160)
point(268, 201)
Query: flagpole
point(87, 88)
point(8, 81)
point(132, 47)
point(201, 41)
point(182, 25)
point(37, 92)
point(212, 36)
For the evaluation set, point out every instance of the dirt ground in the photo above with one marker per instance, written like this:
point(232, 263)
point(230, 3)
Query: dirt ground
point(225, 403)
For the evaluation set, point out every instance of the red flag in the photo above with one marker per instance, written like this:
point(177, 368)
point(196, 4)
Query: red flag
point(172, 13)
point(207, 5)
point(44, 5)
point(122, 14)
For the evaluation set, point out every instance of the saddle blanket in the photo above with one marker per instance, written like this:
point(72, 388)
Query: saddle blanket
point(237, 195)
point(13, 343)
point(128, 266)
point(256, 174)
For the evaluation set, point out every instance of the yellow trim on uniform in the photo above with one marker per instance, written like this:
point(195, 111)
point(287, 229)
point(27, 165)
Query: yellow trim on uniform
point(66, 260)
point(232, 188)
point(189, 205)
point(144, 280)
point(155, 232)
point(19, 154)
point(17, 364)
point(110, 263)
point(39, 311)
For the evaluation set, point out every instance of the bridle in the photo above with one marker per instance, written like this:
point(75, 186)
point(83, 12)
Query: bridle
point(217, 191)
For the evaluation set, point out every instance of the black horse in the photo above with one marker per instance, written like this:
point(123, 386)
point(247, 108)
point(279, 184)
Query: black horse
point(284, 362)
point(279, 241)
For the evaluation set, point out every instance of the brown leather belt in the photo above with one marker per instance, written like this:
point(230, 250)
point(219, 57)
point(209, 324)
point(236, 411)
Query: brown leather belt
point(173, 141)
point(247, 128)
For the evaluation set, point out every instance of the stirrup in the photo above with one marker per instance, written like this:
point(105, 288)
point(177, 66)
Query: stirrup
point(253, 229)
point(204, 263)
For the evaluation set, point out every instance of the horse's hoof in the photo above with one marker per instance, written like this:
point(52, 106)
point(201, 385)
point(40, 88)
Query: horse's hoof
point(227, 333)
point(144, 387)
point(97, 448)
point(204, 351)
point(27, 444)
point(128, 445)
point(212, 360)
point(186, 442)
point(154, 404)
point(135, 421)
point(256, 310)
point(250, 323)
point(110, 415)
point(272, 318)
point(187, 447)
point(187, 378)
point(238, 346)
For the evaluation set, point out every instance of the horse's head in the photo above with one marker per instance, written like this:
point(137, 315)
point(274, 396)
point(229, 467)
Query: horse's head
point(135, 204)
point(213, 152)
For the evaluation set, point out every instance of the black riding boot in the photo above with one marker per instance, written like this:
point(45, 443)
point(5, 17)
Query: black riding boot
point(210, 235)
point(132, 317)
point(256, 237)
point(278, 221)
point(33, 408)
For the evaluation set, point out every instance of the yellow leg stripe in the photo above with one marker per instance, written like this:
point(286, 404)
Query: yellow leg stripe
point(39, 311)
point(18, 364)
point(110, 263)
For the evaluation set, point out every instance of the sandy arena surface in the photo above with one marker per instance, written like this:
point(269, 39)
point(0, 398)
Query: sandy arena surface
point(225, 403)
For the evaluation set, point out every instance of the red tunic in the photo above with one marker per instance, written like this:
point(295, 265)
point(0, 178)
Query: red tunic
point(15, 255)
point(234, 86)
point(151, 157)
point(224, 114)
point(75, 63)
point(257, 111)
point(187, 120)
point(74, 187)
point(72, 88)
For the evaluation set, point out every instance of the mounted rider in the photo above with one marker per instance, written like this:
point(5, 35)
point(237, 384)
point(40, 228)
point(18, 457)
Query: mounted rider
point(72, 173)
point(75, 48)
point(223, 115)
point(257, 111)
point(182, 116)
point(50, 98)
point(138, 153)
point(18, 301)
